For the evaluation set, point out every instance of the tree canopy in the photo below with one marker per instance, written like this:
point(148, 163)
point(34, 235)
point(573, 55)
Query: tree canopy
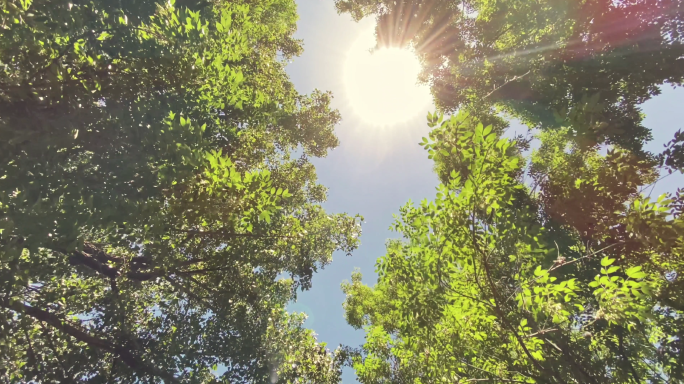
point(154, 220)
point(159, 209)
point(537, 60)
point(547, 268)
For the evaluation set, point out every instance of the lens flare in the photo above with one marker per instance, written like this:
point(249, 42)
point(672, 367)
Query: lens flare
point(382, 85)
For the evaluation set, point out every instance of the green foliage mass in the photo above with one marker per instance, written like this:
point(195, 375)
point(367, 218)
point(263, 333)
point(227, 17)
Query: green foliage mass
point(547, 268)
point(531, 58)
point(554, 267)
point(154, 220)
point(151, 210)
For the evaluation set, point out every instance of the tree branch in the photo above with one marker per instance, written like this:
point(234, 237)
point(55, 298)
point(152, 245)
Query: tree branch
point(504, 320)
point(558, 265)
point(543, 331)
point(625, 357)
point(506, 83)
point(104, 257)
point(134, 362)
point(194, 233)
point(80, 258)
point(182, 289)
point(77, 258)
point(65, 379)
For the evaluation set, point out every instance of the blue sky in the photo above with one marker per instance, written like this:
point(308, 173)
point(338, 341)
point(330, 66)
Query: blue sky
point(374, 171)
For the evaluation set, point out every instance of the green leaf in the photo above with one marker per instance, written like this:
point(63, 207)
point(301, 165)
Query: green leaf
point(104, 36)
point(635, 273)
point(607, 261)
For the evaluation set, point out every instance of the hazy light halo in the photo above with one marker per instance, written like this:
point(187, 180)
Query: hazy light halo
point(382, 86)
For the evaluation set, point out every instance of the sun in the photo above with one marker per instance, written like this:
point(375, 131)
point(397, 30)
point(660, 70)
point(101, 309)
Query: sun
point(382, 85)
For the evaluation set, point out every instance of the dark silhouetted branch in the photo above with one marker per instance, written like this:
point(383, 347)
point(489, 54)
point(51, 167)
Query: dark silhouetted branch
point(134, 362)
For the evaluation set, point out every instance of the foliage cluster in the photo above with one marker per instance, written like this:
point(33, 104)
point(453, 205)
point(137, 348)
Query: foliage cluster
point(569, 275)
point(154, 222)
point(158, 208)
point(530, 59)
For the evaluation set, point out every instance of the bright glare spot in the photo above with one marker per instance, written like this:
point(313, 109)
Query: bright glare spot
point(382, 86)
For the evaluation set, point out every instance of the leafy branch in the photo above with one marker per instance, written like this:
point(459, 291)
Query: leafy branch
point(130, 359)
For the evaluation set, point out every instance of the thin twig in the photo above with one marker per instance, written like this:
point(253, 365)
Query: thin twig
point(543, 331)
point(507, 82)
point(553, 268)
